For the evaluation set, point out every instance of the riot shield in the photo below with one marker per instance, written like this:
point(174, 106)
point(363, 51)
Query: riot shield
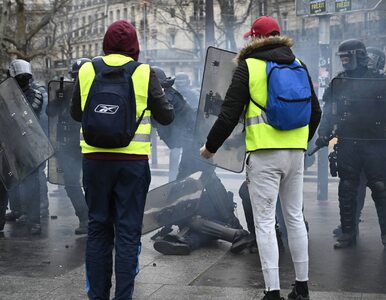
point(23, 143)
point(218, 71)
point(359, 106)
point(172, 202)
point(65, 167)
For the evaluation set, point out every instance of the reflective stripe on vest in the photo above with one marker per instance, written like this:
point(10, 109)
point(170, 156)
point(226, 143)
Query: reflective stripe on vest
point(259, 134)
point(140, 144)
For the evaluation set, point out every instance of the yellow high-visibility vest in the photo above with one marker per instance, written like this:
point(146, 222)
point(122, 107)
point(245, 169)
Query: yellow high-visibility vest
point(259, 134)
point(141, 142)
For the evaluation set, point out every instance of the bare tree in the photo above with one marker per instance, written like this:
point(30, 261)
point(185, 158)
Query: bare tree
point(182, 16)
point(24, 31)
point(188, 16)
point(233, 15)
point(70, 33)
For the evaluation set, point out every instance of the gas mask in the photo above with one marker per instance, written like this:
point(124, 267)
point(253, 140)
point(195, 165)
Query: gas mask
point(23, 80)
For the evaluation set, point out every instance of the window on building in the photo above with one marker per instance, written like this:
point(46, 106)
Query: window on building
point(132, 13)
point(102, 23)
point(89, 50)
point(118, 14)
point(77, 51)
point(125, 15)
point(83, 50)
point(96, 49)
point(48, 63)
point(173, 39)
point(111, 17)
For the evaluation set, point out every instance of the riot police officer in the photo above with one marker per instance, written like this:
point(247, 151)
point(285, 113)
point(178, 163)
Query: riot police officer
point(376, 63)
point(26, 197)
point(69, 157)
point(182, 83)
point(215, 217)
point(361, 146)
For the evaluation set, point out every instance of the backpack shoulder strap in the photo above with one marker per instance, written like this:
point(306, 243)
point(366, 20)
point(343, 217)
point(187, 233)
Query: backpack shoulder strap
point(131, 66)
point(98, 64)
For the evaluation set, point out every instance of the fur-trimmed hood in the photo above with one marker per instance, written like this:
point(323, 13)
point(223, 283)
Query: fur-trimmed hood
point(274, 48)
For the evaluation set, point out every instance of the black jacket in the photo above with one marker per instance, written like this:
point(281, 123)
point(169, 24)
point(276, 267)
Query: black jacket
point(180, 132)
point(162, 111)
point(237, 97)
point(353, 127)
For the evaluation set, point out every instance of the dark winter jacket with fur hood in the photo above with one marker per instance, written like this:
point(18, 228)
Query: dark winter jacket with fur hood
point(276, 49)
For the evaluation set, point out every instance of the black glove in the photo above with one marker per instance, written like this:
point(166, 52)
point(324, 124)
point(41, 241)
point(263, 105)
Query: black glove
point(322, 141)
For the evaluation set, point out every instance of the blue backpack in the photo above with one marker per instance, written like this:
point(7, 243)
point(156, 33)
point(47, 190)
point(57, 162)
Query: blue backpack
point(289, 96)
point(109, 116)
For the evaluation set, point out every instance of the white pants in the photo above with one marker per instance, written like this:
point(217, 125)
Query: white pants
point(273, 173)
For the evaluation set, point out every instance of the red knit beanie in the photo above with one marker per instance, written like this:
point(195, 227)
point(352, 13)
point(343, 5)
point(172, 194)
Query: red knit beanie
point(121, 38)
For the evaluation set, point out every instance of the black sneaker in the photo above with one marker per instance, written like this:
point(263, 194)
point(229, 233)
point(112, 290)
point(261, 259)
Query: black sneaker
point(171, 248)
point(273, 295)
point(294, 295)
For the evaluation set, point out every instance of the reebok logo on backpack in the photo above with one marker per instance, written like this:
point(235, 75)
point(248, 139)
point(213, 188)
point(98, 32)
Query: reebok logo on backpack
point(289, 96)
point(109, 116)
point(106, 109)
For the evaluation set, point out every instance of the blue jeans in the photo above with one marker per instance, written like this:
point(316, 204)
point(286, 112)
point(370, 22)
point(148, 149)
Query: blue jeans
point(115, 193)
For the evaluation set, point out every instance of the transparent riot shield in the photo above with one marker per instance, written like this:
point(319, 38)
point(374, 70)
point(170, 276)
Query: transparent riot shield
point(23, 143)
point(172, 202)
point(65, 167)
point(218, 71)
point(362, 99)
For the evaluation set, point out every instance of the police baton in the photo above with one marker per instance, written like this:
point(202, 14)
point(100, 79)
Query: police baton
point(317, 148)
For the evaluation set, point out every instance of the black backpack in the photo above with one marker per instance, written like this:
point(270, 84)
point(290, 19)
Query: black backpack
point(109, 116)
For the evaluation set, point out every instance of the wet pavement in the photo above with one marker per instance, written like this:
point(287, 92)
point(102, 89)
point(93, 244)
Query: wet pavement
point(50, 266)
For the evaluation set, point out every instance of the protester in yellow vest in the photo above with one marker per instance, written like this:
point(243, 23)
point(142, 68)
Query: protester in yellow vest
point(276, 157)
point(116, 180)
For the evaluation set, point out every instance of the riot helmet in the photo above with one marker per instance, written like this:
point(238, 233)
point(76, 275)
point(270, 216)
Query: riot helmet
point(376, 59)
point(352, 54)
point(162, 78)
point(21, 70)
point(76, 66)
point(182, 80)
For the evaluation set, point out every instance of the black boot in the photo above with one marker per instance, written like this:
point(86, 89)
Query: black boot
point(171, 248)
point(83, 227)
point(345, 240)
point(299, 291)
point(272, 295)
point(241, 241)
